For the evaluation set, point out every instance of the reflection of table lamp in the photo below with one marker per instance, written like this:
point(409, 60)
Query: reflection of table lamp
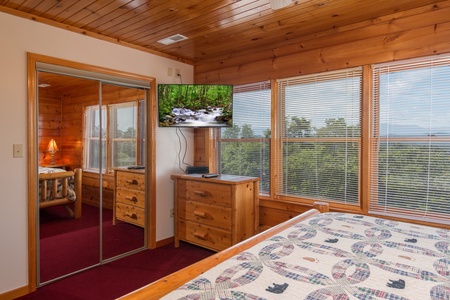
point(52, 149)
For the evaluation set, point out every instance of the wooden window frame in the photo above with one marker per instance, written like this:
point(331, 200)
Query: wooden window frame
point(109, 140)
point(274, 202)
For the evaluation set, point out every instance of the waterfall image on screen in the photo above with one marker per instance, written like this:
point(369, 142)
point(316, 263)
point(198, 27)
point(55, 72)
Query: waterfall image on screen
point(195, 105)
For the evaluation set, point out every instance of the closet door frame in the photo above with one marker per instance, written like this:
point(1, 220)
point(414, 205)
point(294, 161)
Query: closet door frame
point(32, 138)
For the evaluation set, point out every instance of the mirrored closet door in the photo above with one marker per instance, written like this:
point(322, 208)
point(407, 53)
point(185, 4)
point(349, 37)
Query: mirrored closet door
point(93, 132)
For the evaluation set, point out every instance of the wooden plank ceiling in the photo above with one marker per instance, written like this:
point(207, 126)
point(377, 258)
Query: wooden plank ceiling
point(214, 28)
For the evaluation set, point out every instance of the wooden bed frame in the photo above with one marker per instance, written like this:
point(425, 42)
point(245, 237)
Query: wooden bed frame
point(64, 177)
point(165, 285)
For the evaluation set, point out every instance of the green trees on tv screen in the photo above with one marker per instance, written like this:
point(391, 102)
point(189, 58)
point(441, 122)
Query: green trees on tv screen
point(194, 97)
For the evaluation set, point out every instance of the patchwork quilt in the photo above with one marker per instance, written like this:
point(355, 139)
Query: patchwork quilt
point(334, 256)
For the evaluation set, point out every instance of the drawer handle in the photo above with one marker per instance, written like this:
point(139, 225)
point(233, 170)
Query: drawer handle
point(132, 199)
point(132, 181)
point(201, 236)
point(200, 214)
point(132, 216)
point(201, 193)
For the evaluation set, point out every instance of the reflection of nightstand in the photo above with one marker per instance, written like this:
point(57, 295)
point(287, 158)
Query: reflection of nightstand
point(60, 166)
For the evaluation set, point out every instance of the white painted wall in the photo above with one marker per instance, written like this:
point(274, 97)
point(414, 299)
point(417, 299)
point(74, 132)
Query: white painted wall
point(19, 36)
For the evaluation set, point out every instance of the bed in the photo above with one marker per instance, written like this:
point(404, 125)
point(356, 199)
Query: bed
point(317, 255)
point(61, 187)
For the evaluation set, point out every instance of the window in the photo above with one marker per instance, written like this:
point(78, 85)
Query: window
point(95, 138)
point(245, 148)
point(410, 173)
point(320, 136)
point(123, 133)
point(122, 139)
point(316, 151)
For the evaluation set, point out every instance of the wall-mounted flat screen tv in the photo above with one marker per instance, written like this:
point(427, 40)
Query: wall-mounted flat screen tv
point(195, 105)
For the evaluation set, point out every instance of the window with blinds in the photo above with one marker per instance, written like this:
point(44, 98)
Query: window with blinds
point(123, 130)
point(320, 136)
point(410, 167)
point(244, 149)
point(120, 128)
point(95, 138)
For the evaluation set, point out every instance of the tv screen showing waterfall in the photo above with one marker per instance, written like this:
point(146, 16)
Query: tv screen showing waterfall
point(195, 105)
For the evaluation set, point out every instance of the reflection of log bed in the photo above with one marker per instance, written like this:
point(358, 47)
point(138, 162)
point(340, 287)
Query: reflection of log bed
point(61, 188)
point(316, 256)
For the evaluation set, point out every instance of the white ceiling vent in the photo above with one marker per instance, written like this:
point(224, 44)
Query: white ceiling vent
point(173, 39)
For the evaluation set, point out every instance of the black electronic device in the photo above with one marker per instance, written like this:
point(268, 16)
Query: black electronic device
point(210, 175)
point(135, 167)
point(197, 169)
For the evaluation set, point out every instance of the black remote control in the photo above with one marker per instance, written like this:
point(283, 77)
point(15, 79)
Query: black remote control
point(135, 167)
point(210, 175)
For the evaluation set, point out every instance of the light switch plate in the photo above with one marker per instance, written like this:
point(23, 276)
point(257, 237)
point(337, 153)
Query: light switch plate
point(17, 150)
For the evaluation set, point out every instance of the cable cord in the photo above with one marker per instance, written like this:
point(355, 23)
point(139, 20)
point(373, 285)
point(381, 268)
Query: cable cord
point(181, 161)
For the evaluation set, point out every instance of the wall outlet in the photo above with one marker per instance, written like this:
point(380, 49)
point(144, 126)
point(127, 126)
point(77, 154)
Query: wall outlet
point(171, 212)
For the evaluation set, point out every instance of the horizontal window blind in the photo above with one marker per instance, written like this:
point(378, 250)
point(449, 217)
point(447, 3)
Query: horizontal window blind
point(94, 158)
point(320, 136)
point(410, 167)
point(123, 130)
point(244, 149)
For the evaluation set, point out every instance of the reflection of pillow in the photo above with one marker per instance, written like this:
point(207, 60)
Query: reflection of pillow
point(44, 170)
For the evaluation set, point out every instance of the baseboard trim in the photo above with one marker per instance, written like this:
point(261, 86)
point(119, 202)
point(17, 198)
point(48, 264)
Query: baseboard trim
point(13, 294)
point(164, 242)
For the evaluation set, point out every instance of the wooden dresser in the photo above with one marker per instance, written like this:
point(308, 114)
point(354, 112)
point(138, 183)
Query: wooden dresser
point(129, 196)
point(215, 213)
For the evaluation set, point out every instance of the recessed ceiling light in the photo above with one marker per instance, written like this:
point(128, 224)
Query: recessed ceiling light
point(172, 39)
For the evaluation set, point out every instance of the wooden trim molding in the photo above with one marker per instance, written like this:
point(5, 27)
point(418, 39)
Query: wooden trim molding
point(32, 173)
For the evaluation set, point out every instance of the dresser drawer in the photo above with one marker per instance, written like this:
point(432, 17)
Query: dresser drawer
point(130, 197)
point(207, 214)
point(130, 214)
point(130, 180)
point(204, 236)
point(208, 192)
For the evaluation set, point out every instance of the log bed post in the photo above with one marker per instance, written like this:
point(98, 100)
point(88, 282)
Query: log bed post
point(321, 206)
point(77, 209)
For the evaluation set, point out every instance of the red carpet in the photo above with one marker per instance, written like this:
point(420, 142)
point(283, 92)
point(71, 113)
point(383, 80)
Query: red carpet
point(122, 276)
point(68, 245)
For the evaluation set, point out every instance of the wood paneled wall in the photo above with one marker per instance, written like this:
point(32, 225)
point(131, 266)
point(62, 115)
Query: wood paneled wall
point(74, 101)
point(204, 150)
point(49, 125)
point(415, 33)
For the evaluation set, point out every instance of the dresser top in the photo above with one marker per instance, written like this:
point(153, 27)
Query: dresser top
point(222, 178)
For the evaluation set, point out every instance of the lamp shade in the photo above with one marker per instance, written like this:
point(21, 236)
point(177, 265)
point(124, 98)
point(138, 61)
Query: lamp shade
point(52, 147)
point(277, 4)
